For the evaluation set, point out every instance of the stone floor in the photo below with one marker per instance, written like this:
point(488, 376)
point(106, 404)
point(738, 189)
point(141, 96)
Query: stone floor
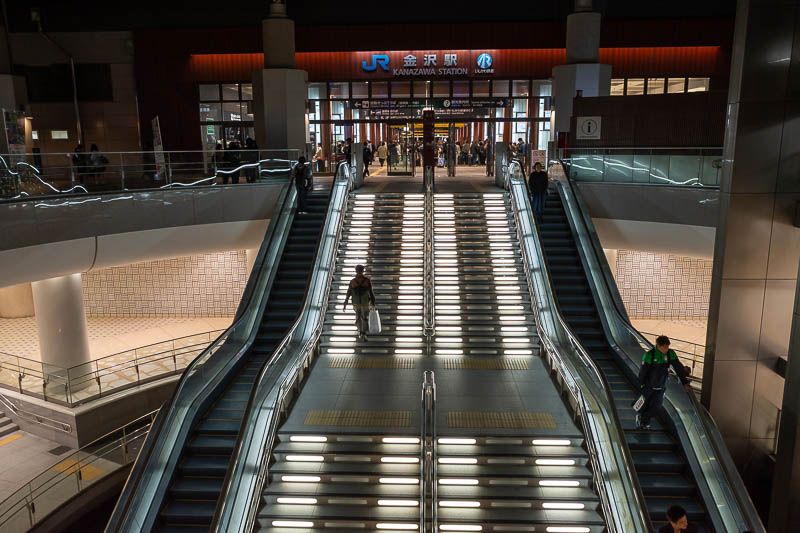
point(22, 457)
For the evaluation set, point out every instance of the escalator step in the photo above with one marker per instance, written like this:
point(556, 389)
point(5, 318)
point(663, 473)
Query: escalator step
point(205, 465)
point(189, 511)
point(197, 488)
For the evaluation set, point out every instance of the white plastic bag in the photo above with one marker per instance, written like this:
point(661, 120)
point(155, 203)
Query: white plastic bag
point(639, 403)
point(374, 321)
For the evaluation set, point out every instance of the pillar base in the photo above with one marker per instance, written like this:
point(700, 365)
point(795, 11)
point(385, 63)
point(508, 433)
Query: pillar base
point(279, 102)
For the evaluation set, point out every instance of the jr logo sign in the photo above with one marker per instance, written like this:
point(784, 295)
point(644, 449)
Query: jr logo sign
point(377, 59)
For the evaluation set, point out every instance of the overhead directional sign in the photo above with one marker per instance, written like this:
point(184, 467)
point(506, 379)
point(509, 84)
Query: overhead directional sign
point(436, 103)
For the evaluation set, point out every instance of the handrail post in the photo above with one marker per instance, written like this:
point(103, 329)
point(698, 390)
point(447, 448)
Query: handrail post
point(428, 489)
point(122, 170)
point(428, 303)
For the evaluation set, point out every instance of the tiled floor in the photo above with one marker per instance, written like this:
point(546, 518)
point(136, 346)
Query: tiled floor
point(23, 456)
point(467, 179)
point(107, 335)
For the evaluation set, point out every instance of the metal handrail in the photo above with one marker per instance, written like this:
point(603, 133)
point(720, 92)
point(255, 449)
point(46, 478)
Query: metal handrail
point(428, 266)
point(35, 417)
point(428, 456)
point(26, 367)
point(26, 496)
point(637, 518)
point(272, 240)
point(749, 518)
point(238, 504)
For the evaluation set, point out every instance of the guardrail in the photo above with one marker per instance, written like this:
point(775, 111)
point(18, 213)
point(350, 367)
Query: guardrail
point(657, 166)
point(428, 485)
point(89, 465)
point(88, 381)
point(49, 174)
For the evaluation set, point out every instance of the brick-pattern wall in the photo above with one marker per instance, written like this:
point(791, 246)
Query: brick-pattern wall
point(200, 285)
point(663, 286)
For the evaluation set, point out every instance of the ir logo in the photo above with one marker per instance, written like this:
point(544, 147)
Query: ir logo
point(484, 60)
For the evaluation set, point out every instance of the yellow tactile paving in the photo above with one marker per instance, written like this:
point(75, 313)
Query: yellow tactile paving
point(500, 420)
point(485, 364)
point(358, 418)
point(71, 466)
point(372, 362)
point(12, 438)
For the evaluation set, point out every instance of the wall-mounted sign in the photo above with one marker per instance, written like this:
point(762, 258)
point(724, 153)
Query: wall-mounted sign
point(587, 128)
point(425, 63)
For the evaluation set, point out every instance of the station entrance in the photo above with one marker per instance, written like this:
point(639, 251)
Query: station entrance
point(472, 142)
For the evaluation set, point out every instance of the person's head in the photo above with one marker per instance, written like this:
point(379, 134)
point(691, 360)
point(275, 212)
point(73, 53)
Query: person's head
point(348, 140)
point(662, 343)
point(677, 515)
point(301, 160)
point(94, 148)
point(80, 148)
point(359, 269)
point(537, 166)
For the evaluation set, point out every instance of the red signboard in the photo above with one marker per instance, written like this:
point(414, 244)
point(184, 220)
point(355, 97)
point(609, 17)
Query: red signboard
point(461, 64)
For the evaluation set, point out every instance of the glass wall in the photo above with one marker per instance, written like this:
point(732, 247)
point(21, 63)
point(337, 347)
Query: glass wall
point(633, 86)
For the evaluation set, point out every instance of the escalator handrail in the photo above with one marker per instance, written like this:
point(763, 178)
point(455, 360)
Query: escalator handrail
point(122, 509)
point(273, 382)
point(637, 512)
point(749, 519)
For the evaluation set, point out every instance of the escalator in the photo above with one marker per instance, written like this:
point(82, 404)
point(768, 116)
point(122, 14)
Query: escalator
point(664, 473)
point(193, 492)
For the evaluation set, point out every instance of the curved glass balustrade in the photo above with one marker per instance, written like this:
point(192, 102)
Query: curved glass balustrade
point(238, 503)
point(139, 503)
point(727, 500)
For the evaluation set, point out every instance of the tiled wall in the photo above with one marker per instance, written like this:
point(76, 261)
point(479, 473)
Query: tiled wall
point(200, 285)
point(663, 286)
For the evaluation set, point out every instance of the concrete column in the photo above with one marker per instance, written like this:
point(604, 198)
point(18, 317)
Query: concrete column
point(756, 248)
point(61, 320)
point(279, 90)
point(582, 71)
point(250, 254)
point(784, 515)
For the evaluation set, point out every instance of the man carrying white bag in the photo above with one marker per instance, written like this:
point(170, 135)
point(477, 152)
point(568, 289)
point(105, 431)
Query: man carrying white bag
point(360, 289)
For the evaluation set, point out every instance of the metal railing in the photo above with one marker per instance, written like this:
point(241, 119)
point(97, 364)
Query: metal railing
point(273, 389)
point(61, 482)
point(691, 354)
point(727, 500)
point(55, 174)
point(613, 470)
point(428, 266)
point(34, 418)
point(72, 386)
point(691, 166)
point(428, 486)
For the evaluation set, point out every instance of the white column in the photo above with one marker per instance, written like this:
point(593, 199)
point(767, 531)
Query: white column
point(251, 254)
point(61, 320)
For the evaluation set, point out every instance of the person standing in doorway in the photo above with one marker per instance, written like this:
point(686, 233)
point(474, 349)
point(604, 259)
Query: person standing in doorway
point(538, 185)
point(382, 153)
point(521, 146)
point(653, 378)
point(360, 289)
point(233, 160)
point(302, 183)
point(678, 521)
point(367, 155)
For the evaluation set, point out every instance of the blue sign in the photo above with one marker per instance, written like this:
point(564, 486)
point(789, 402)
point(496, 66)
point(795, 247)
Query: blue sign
point(382, 60)
point(484, 60)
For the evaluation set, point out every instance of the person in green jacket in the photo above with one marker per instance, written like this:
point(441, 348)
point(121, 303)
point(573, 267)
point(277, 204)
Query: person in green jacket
point(653, 378)
point(360, 289)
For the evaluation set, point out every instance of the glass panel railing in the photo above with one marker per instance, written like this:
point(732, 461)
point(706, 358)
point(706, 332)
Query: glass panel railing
point(238, 503)
point(696, 167)
point(727, 501)
point(59, 174)
point(147, 484)
point(615, 478)
point(49, 490)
